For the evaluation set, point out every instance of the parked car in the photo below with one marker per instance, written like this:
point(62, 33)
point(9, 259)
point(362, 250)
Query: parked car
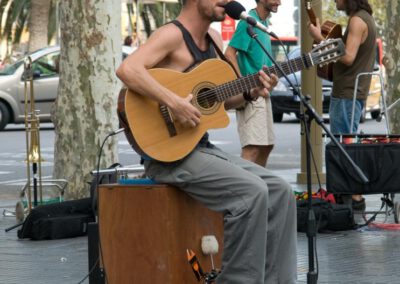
point(284, 101)
point(45, 66)
point(282, 46)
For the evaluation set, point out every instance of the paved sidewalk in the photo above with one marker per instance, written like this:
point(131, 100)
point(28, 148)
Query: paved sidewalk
point(358, 256)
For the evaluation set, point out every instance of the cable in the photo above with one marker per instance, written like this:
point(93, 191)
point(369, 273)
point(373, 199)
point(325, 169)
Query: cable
point(97, 205)
point(312, 275)
point(302, 106)
point(316, 257)
point(392, 227)
point(296, 92)
point(90, 271)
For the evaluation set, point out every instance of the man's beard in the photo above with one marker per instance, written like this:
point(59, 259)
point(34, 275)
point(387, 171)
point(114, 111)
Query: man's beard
point(218, 18)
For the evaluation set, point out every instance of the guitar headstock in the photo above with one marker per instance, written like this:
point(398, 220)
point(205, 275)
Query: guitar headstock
point(327, 51)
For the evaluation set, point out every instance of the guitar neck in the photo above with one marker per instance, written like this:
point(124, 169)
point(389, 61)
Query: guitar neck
point(246, 83)
point(310, 13)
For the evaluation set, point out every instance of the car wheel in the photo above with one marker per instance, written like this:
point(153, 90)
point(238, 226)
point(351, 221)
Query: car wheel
point(396, 212)
point(4, 116)
point(278, 117)
point(375, 114)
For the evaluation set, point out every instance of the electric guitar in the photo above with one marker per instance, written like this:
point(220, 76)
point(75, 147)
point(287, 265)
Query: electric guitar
point(328, 30)
point(150, 127)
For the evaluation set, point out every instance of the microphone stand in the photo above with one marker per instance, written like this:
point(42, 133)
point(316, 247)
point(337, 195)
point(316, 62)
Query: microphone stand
point(310, 114)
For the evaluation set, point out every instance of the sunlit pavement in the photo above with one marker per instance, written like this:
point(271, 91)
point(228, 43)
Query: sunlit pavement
point(368, 255)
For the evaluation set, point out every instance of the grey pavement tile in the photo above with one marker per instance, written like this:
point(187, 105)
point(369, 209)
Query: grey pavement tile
point(364, 256)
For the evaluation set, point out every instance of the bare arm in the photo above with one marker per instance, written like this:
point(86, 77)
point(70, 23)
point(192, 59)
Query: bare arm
point(358, 31)
point(236, 101)
point(268, 82)
point(157, 52)
point(230, 54)
point(315, 31)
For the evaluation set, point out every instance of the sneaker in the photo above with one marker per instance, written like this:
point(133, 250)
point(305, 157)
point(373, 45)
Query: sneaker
point(359, 205)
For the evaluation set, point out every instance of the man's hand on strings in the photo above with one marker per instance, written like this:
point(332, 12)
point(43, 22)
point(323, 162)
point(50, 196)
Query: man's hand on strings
point(184, 112)
point(268, 83)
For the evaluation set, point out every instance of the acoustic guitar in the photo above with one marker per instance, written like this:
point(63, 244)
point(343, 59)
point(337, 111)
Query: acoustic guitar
point(329, 30)
point(150, 127)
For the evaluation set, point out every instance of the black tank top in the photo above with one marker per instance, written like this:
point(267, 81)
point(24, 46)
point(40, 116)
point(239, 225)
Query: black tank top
point(197, 53)
point(198, 56)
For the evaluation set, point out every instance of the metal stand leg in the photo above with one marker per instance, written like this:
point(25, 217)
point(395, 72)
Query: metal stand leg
point(35, 188)
point(383, 94)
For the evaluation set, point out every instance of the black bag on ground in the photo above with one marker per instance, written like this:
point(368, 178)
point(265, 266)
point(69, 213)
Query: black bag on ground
point(328, 216)
point(378, 161)
point(58, 220)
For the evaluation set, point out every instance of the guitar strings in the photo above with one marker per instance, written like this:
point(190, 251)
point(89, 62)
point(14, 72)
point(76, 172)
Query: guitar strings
point(225, 88)
point(237, 88)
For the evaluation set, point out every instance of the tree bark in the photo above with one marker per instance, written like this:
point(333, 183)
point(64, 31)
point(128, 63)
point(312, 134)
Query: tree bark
point(85, 110)
point(391, 60)
point(38, 24)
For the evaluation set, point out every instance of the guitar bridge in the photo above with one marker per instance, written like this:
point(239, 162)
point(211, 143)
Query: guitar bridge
point(169, 122)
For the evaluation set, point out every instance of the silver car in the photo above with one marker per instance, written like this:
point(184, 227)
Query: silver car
point(45, 67)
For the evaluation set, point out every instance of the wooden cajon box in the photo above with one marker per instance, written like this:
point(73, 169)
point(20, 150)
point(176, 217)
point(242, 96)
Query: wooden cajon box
point(145, 231)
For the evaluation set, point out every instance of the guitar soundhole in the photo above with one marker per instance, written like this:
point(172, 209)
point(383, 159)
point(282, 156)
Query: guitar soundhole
point(206, 98)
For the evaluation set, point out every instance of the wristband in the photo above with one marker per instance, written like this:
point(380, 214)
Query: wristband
point(247, 97)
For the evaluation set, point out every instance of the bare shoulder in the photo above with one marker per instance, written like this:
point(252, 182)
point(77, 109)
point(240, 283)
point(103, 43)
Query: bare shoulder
point(357, 24)
point(167, 36)
point(159, 49)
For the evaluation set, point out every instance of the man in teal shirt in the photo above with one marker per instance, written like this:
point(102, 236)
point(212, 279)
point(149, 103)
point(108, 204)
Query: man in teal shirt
point(255, 122)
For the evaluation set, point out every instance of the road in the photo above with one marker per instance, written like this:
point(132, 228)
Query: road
point(286, 154)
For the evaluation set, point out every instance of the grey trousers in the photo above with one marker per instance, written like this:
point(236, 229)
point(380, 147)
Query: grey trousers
point(259, 209)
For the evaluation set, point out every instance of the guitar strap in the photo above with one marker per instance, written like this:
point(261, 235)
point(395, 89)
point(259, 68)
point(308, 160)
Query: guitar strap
point(223, 57)
point(221, 54)
point(197, 54)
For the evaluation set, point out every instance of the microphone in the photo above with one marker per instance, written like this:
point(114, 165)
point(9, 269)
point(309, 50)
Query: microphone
point(236, 11)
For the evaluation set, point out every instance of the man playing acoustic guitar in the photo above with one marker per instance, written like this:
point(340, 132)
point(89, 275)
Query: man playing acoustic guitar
point(360, 41)
point(259, 208)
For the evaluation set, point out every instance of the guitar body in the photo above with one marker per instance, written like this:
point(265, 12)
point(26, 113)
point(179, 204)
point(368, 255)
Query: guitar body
point(329, 30)
point(150, 127)
point(149, 134)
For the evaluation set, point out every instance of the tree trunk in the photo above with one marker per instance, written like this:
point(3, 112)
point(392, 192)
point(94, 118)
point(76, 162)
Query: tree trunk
point(38, 24)
point(391, 60)
point(85, 110)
